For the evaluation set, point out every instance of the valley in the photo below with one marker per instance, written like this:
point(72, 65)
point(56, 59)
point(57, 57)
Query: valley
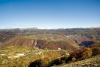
point(20, 48)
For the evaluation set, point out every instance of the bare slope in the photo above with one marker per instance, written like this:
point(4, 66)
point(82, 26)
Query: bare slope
point(42, 44)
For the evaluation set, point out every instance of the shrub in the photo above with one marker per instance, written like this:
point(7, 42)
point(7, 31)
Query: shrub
point(95, 51)
point(55, 62)
point(64, 59)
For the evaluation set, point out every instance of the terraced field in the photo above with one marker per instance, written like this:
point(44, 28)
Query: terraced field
point(18, 55)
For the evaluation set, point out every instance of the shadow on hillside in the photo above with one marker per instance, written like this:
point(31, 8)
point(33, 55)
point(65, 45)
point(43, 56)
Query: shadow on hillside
point(34, 64)
point(86, 43)
point(41, 63)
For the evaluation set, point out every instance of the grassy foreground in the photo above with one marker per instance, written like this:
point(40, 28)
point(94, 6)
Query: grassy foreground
point(89, 62)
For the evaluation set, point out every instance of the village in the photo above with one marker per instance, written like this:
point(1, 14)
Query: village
point(11, 54)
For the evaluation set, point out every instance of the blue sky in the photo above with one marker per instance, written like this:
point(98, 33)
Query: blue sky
point(49, 13)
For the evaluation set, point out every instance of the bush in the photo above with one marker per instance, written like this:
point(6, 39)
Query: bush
point(95, 51)
point(55, 62)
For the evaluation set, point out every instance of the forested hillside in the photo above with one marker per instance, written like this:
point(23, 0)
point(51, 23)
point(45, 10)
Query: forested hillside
point(69, 39)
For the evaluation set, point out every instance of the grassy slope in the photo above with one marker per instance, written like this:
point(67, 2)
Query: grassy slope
point(93, 61)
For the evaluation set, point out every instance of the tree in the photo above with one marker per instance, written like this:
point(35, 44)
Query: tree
point(87, 53)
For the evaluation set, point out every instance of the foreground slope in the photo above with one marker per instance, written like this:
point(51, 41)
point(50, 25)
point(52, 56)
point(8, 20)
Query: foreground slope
point(90, 62)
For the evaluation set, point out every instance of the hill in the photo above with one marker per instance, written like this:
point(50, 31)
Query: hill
point(41, 44)
point(66, 39)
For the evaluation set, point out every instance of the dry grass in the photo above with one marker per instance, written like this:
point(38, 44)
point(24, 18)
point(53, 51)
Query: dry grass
point(89, 62)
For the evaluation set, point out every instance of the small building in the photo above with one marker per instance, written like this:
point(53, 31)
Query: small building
point(2, 54)
point(59, 48)
point(10, 56)
point(16, 56)
point(20, 54)
point(39, 53)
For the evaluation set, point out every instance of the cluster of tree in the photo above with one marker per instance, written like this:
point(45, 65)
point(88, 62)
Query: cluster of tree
point(84, 53)
point(80, 54)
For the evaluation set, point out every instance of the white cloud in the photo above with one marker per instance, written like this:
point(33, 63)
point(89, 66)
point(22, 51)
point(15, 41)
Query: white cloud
point(2, 27)
point(13, 27)
point(41, 28)
point(46, 28)
point(20, 25)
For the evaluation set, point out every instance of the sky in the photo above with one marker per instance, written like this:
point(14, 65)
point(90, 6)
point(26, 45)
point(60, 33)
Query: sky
point(49, 14)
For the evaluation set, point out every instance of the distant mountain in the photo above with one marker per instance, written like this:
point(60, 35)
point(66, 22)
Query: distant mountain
point(30, 30)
